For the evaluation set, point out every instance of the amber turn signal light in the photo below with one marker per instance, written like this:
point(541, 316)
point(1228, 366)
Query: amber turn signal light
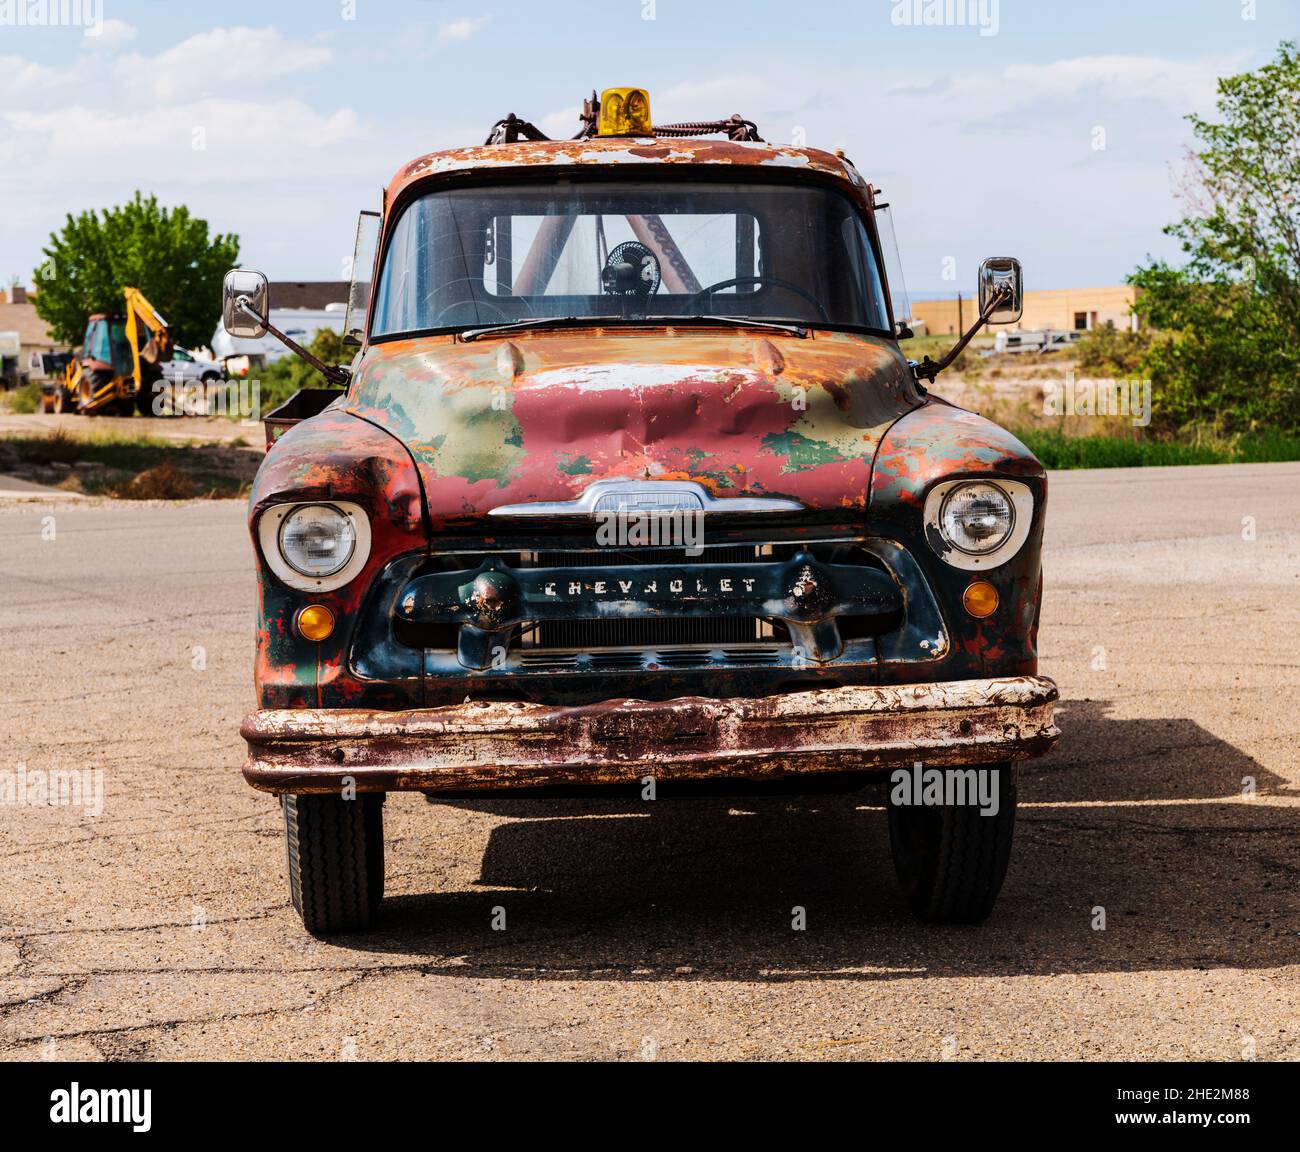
point(980, 599)
point(315, 622)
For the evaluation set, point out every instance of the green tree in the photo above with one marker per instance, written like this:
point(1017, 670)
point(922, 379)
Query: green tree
point(166, 253)
point(1234, 305)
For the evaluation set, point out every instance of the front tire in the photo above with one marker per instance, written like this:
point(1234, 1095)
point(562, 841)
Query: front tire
point(335, 850)
point(951, 859)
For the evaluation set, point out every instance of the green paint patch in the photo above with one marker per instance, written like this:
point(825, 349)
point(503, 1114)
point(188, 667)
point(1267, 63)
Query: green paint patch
point(572, 465)
point(799, 453)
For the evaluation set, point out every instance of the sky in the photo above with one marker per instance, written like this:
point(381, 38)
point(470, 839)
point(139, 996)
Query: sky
point(1051, 130)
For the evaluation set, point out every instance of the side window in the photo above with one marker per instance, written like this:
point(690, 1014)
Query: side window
point(364, 252)
point(866, 272)
point(893, 264)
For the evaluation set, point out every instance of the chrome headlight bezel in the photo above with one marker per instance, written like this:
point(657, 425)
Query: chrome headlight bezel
point(1021, 501)
point(269, 529)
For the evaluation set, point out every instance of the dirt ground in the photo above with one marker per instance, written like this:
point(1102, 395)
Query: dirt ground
point(160, 927)
point(188, 429)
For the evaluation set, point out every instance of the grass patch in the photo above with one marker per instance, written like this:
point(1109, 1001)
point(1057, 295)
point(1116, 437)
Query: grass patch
point(25, 400)
point(56, 448)
point(131, 467)
point(1058, 452)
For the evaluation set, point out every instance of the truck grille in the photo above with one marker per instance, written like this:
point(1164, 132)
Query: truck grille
point(646, 634)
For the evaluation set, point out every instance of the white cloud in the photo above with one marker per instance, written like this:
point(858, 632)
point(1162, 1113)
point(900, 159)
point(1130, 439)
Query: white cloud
point(463, 28)
point(23, 76)
point(222, 57)
point(165, 138)
point(1182, 82)
point(111, 34)
point(562, 124)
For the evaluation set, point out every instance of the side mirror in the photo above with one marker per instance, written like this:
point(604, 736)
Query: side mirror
point(1000, 273)
point(252, 287)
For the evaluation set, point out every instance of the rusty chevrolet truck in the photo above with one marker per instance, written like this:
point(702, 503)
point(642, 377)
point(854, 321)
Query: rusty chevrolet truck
point(631, 485)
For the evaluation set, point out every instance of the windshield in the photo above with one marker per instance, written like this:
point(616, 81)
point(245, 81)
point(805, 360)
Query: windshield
point(629, 250)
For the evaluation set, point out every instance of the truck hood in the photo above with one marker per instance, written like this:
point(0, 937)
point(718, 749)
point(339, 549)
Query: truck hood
point(542, 416)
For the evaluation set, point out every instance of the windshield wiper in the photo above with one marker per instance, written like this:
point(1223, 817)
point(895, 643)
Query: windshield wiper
point(738, 322)
point(536, 322)
point(589, 321)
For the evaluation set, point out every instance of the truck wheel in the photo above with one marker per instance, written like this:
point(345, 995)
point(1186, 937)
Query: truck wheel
point(336, 860)
point(63, 401)
point(951, 859)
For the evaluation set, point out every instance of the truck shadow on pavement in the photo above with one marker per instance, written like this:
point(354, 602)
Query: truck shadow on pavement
point(1141, 818)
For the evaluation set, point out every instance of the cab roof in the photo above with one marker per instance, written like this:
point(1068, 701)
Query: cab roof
point(594, 151)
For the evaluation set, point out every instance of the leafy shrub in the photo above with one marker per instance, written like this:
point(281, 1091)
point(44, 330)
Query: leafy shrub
point(26, 399)
point(1107, 351)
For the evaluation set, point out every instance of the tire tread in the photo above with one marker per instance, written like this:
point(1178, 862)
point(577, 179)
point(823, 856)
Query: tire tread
point(335, 860)
point(971, 852)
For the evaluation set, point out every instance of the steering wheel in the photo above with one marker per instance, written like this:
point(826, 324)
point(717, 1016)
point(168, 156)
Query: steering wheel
point(775, 281)
point(441, 321)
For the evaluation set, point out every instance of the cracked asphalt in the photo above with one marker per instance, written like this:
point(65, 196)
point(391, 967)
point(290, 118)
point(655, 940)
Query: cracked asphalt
point(160, 928)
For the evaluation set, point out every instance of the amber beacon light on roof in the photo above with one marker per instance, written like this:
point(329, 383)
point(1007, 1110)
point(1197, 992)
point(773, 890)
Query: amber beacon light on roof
point(623, 112)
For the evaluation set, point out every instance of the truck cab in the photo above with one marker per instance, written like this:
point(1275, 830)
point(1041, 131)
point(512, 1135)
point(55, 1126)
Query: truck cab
point(632, 486)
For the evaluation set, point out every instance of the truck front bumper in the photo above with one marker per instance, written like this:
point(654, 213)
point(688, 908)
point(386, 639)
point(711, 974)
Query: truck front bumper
point(502, 746)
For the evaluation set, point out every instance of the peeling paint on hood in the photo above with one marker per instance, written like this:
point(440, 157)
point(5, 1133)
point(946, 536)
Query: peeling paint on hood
point(540, 416)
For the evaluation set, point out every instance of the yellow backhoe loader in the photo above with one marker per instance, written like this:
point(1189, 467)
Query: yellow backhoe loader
point(120, 361)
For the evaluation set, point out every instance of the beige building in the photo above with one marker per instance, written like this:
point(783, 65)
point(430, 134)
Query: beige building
point(23, 338)
point(1059, 309)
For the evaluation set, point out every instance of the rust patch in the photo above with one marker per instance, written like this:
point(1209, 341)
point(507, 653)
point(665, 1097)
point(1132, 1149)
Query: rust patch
point(597, 151)
point(500, 745)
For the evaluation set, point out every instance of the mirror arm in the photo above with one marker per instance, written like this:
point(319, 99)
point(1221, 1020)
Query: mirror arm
point(928, 369)
point(335, 373)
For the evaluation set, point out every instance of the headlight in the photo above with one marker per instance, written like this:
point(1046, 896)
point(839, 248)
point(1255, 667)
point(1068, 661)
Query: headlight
point(977, 518)
point(315, 547)
point(317, 540)
point(974, 524)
